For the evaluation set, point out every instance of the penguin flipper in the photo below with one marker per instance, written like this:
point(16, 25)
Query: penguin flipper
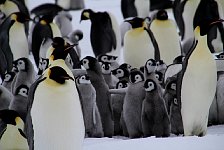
point(75, 59)
point(3, 64)
point(3, 127)
point(29, 125)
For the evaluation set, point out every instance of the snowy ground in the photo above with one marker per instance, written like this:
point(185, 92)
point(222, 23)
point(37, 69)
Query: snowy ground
point(214, 140)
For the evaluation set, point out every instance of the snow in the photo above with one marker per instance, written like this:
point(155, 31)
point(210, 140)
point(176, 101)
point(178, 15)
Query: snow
point(212, 141)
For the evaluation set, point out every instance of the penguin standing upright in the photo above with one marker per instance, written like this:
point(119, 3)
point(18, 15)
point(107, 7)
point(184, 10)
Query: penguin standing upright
point(135, 8)
point(103, 97)
point(199, 71)
point(52, 133)
point(139, 44)
point(92, 119)
point(13, 47)
point(165, 32)
point(9, 76)
point(12, 136)
point(105, 33)
point(133, 104)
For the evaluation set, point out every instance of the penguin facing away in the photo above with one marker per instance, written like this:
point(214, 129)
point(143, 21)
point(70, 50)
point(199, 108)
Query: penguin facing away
point(92, 119)
point(67, 134)
point(103, 97)
point(139, 44)
point(199, 71)
point(12, 137)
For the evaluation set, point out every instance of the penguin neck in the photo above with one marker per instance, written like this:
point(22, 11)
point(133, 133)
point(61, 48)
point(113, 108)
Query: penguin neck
point(202, 42)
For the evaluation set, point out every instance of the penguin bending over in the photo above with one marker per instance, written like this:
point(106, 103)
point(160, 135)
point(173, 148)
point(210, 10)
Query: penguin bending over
point(91, 115)
point(199, 71)
point(103, 97)
point(155, 119)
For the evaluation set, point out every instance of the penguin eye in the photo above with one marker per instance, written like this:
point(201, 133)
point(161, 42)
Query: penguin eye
point(104, 58)
point(157, 76)
point(119, 71)
point(103, 66)
point(222, 56)
point(150, 63)
point(150, 84)
point(84, 61)
point(120, 85)
point(137, 77)
point(173, 86)
point(175, 101)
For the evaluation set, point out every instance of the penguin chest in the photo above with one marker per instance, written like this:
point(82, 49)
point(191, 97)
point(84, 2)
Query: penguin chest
point(18, 41)
point(57, 117)
point(13, 140)
point(9, 7)
point(198, 86)
point(138, 48)
point(55, 30)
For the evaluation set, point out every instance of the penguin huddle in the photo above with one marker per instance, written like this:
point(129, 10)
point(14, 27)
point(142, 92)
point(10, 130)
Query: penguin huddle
point(152, 86)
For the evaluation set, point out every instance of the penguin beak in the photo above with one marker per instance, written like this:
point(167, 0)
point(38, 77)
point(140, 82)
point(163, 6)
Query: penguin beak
point(67, 77)
point(70, 46)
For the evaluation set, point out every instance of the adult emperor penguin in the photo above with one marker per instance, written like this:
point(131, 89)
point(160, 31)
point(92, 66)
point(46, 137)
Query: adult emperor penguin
point(51, 133)
point(103, 97)
point(163, 28)
point(104, 33)
point(132, 106)
point(139, 44)
point(199, 71)
point(12, 137)
point(135, 8)
point(13, 47)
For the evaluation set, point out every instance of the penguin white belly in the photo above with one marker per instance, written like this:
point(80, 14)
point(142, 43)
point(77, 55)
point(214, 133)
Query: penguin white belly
point(188, 16)
point(166, 35)
point(57, 117)
point(116, 28)
point(18, 41)
point(56, 31)
point(138, 48)
point(217, 43)
point(64, 3)
point(13, 140)
point(9, 7)
point(142, 7)
point(198, 91)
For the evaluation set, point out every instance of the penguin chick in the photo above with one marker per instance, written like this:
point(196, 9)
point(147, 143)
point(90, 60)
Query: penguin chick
point(19, 102)
point(103, 97)
point(175, 117)
point(220, 56)
point(159, 77)
point(117, 103)
point(91, 115)
point(133, 104)
point(155, 119)
point(161, 66)
point(108, 77)
point(126, 66)
point(5, 97)
point(43, 65)
point(110, 59)
point(121, 73)
point(75, 37)
point(12, 137)
point(9, 76)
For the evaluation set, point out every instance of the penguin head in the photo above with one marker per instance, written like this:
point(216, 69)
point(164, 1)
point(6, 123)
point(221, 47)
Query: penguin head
point(162, 15)
point(203, 27)
point(59, 75)
point(150, 66)
point(175, 101)
point(136, 76)
point(220, 56)
point(2, 1)
point(75, 36)
point(159, 76)
point(46, 19)
point(58, 42)
point(160, 65)
point(83, 79)
point(150, 85)
point(171, 84)
point(136, 22)
point(9, 76)
point(22, 64)
point(126, 66)
point(43, 64)
point(11, 117)
point(106, 68)
point(107, 58)
point(86, 14)
point(22, 90)
point(120, 72)
point(178, 59)
point(20, 17)
point(122, 84)
point(90, 63)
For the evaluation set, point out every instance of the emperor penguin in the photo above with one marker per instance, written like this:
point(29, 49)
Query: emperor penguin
point(52, 133)
point(135, 8)
point(19, 102)
point(11, 6)
point(91, 115)
point(160, 4)
point(132, 106)
point(154, 117)
point(13, 136)
point(105, 35)
point(5, 98)
point(203, 77)
point(43, 65)
point(165, 32)
point(13, 47)
point(9, 76)
point(110, 59)
point(71, 4)
point(26, 73)
point(139, 44)
point(121, 73)
point(103, 97)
